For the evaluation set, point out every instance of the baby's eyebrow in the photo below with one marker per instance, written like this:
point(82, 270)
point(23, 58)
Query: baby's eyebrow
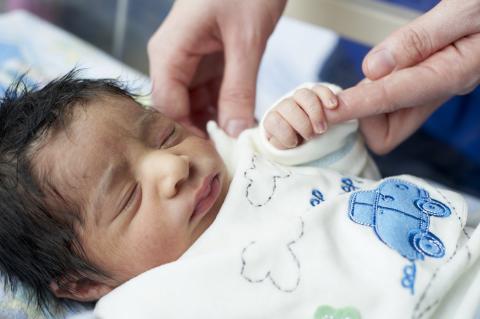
point(145, 120)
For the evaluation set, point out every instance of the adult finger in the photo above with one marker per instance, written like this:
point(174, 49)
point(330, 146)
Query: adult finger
point(169, 81)
point(413, 43)
point(237, 93)
point(384, 132)
point(453, 70)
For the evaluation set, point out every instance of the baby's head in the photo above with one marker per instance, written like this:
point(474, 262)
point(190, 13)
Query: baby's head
point(95, 189)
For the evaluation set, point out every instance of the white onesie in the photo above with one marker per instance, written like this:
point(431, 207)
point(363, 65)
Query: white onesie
point(300, 236)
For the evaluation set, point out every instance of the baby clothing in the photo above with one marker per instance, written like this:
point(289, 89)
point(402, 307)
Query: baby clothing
point(309, 233)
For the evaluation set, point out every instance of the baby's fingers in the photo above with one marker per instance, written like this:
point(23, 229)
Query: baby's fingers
point(311, 105)
point(279, 132)
point(293, 113)
point(328, 98)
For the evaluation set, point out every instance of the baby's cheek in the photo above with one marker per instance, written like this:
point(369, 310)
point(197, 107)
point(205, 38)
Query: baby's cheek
point(155, 246)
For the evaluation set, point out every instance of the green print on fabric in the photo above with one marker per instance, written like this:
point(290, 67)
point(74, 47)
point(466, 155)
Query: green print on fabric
point(327, 312)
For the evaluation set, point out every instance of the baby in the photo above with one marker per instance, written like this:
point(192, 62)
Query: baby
point(103, 199)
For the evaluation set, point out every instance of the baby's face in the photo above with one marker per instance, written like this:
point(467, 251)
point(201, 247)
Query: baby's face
point(147, 188)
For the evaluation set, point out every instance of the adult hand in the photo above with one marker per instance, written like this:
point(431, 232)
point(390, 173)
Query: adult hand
point(414, 71)
point(206, 54)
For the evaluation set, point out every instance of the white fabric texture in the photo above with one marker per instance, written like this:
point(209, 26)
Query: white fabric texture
point(300, 236)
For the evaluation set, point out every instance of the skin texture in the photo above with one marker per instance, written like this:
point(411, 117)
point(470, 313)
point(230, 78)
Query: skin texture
point(204, 60)
point(411, 73)
point(155, 169)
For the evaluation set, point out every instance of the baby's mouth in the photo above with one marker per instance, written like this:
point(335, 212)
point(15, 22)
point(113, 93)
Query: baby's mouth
point(206, 196)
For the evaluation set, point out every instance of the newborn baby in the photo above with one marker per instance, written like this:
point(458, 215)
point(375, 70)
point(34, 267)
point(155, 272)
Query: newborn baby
point(118, 202)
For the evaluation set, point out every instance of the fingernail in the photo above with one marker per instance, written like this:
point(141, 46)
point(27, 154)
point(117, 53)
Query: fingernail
point(380, 63)
point(235, 126)
point(321, 127)
point(331, 103)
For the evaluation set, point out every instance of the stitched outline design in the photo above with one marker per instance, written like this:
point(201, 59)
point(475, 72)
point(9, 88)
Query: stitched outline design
point(268, 275)
point(434, 275)
point(250, 183)
point(462, 224)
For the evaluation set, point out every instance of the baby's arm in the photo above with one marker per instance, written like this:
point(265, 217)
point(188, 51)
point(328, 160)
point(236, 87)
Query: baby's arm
point(291, 133)
point(299, 117)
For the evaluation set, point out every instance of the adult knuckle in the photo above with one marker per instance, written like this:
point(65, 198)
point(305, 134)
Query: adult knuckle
point(456, 75)
point(249, 41)
point(465, 74)
point(416, 43)
point(389, 104)
point(238, 95)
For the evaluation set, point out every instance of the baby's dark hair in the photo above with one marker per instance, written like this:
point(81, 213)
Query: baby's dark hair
point(38, 242)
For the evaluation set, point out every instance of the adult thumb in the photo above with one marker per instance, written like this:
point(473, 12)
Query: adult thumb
point(416, 41)
point(171, 69)
point(237, 92)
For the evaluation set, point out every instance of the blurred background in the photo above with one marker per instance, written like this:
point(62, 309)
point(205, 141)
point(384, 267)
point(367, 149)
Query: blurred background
point(120, 28)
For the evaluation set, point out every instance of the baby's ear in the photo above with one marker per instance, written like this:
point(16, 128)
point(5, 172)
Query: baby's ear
point(81, 289)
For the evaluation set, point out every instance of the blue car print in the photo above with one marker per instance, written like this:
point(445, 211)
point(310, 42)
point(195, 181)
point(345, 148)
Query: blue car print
point(399, 213)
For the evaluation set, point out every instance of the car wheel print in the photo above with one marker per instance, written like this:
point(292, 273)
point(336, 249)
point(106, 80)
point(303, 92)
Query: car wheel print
point(428, 244)
point(433, 207)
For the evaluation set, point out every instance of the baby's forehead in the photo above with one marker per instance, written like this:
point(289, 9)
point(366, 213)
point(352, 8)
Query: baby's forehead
point(111, 110)
point(96, 130)
point(106, 120)
point(97, 136)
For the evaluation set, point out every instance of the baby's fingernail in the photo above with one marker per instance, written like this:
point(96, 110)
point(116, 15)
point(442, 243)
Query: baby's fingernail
point(292, 144)
point(321, 127)
point(236, 126)
point(380, 63)
point(331, 103)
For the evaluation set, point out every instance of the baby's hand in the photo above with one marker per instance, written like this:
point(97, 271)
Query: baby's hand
point(299, 117)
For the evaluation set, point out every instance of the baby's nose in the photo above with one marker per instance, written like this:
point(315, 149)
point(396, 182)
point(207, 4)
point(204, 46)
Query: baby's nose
point(177, 171)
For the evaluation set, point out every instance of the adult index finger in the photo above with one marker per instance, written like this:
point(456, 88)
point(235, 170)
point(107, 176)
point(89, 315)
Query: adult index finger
point(410, 87)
